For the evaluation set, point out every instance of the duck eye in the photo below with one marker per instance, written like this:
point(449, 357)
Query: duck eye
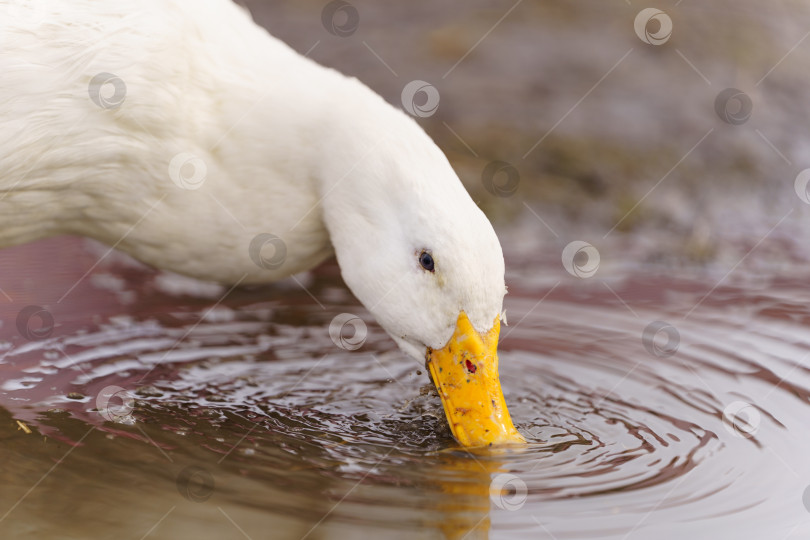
point(426, 260)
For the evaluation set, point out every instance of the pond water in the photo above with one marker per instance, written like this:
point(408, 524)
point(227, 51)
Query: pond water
point(655, 406)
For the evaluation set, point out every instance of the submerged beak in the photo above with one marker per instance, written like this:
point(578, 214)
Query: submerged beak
point(465, 373)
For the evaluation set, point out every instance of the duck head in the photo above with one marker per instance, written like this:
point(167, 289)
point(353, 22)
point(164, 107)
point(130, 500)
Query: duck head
point(425, 261)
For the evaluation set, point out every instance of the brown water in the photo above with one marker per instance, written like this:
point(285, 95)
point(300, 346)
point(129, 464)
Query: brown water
point(238, 415)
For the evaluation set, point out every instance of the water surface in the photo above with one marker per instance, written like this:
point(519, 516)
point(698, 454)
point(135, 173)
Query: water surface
point(237, 415)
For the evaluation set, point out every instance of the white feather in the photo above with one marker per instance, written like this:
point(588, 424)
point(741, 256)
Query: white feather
point(288, 148)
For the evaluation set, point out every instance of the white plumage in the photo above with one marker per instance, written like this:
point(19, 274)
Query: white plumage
point(270, 143)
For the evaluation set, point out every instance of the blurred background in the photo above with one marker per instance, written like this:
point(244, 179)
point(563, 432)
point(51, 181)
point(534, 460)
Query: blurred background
point(606, 133)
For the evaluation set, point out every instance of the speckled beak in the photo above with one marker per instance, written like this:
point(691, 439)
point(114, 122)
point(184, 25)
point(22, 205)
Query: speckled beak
point(465, 373)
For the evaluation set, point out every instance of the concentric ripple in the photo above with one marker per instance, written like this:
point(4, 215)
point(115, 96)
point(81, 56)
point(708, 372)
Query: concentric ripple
point(248, 413)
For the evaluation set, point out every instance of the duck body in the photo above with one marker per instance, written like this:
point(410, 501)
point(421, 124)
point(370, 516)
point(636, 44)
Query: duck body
point(228, 109)
point(182, 133)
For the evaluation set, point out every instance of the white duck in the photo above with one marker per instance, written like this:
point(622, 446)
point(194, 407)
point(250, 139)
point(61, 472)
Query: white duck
point(185, 135)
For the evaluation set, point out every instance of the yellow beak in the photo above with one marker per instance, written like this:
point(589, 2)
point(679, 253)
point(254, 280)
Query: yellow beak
point(465, 373)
